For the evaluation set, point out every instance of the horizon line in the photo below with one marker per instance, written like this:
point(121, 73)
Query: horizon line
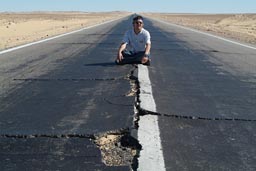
point(73, 11)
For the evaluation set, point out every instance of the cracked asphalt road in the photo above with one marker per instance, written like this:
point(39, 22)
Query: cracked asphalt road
point(70, 86)
point(65, 86)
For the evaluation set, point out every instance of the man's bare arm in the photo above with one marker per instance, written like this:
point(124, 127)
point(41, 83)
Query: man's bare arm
point(147, 49)
point(121, 48)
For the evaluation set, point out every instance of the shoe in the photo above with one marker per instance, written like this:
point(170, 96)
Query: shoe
point(117, 62)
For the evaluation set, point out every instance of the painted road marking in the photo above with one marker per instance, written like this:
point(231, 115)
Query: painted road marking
point(151, 156)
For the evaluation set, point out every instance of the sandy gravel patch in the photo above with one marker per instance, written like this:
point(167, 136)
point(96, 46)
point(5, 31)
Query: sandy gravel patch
point(240, 27)
point(21, 28)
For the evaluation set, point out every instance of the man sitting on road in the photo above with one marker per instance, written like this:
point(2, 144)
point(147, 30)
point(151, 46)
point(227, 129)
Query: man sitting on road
point(139, 44)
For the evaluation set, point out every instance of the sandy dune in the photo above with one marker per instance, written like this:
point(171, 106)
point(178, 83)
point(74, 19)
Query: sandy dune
point(241, 27)
point(21, 28)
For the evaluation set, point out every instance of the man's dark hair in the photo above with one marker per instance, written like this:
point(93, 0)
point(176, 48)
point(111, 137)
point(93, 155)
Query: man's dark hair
point(137, 18)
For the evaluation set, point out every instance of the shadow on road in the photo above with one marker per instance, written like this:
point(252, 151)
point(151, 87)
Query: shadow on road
point(101, 64)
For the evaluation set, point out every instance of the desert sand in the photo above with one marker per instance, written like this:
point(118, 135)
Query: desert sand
point(21, 28)
point(240, 27)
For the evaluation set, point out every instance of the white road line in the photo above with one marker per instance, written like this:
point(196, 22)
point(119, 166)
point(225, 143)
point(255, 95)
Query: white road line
point(151, 156)
point(51, 38)
point(208, 34)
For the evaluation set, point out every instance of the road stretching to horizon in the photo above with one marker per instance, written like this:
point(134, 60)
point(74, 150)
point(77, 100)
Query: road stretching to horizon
point(59, 98)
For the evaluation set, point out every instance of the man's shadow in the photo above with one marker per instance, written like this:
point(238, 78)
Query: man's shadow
point(105, 64)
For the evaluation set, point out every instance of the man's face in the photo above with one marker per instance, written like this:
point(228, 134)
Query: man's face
point(138, 24)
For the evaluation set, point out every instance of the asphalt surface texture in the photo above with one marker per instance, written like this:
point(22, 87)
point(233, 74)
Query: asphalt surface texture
point(205, 93)
point(58, 97)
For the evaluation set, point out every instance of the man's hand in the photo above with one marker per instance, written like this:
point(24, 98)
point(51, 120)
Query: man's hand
point(144, 60)
point(120, 57)
point(119, 54)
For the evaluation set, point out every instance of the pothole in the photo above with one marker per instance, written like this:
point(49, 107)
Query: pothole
point(118, 148)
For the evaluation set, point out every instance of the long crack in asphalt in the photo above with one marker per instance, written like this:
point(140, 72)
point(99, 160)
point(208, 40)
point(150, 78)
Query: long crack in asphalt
point(143, 112)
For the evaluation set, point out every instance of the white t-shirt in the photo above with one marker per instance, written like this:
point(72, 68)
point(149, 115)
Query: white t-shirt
point(136, 42)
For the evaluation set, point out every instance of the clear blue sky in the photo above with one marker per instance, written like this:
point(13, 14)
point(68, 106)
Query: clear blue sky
point(172, 6)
